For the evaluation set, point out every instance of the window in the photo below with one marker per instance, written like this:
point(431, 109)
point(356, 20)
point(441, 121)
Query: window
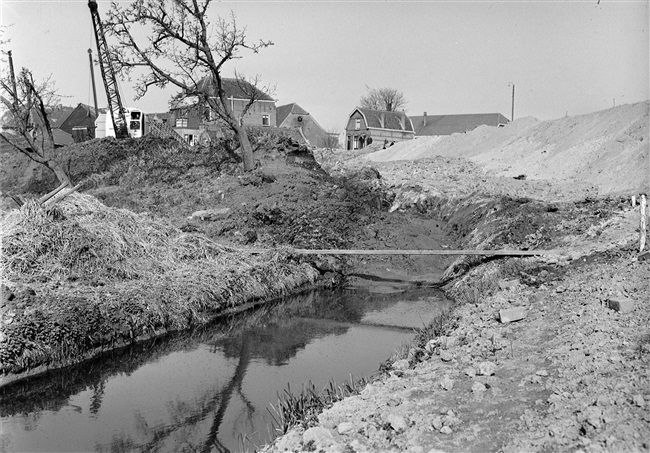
point(181, 122)
point(357, 124)
point(266, 120)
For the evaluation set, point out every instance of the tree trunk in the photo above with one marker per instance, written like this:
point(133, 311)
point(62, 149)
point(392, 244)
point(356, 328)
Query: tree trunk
point(39, 157)
point(233, 122)
point(246, 149)
point(58, 171)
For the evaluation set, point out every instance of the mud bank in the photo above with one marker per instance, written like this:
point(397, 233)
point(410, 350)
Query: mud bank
point(572, 374)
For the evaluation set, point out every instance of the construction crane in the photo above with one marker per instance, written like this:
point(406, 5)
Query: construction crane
point(108, 75)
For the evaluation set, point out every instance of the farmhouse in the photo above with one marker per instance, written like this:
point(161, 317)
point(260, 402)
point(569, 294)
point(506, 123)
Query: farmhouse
point(432, 125)
point(367, 126)
point(191, 121)
point(292, 116)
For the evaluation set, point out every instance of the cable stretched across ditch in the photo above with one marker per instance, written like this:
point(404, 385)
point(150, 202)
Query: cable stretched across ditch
point(413, 252)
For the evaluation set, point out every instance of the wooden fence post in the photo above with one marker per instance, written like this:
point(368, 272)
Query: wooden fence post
point(642, 230)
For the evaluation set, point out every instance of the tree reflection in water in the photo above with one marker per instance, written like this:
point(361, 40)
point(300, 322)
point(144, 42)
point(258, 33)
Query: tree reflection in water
point(272, 334)
point(185, 419)
point(269, 341)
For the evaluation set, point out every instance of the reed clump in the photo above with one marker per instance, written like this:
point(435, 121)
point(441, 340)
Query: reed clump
point(101, 277)
point(303, 408)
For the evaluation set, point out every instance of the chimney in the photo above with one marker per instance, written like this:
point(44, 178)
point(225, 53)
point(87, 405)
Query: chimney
point(424, 119)
point(381, 119)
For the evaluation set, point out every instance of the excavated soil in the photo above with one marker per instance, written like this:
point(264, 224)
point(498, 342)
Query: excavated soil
point(573, 374)
point(606, 150)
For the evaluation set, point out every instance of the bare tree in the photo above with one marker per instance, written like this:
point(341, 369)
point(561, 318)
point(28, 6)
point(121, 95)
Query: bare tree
point(29, 130)
point(185, 50)
point(389, 99)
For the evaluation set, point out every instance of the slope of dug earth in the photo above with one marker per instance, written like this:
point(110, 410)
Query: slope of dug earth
point(572, 375)
point(608, 149)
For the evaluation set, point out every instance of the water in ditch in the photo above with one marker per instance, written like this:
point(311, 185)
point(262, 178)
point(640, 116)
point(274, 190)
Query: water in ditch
point(212, 389)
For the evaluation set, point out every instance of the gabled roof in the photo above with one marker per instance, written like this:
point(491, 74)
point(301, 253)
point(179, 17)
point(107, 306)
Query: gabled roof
point(391, 120)
point(282, 112)
point(452, 124)
point(89, 111)
point(61, 137)
point(235, 88)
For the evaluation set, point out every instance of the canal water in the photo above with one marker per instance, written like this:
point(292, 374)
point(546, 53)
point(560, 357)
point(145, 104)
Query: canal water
point(212, 389)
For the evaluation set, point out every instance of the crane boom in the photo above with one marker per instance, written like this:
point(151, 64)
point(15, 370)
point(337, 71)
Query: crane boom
point(108, 75)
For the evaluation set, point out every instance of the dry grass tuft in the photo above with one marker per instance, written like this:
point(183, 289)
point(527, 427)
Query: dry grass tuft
point(82, 237)
point(108, 276)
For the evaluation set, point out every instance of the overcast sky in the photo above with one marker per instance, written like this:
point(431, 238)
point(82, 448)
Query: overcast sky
point(446, 57)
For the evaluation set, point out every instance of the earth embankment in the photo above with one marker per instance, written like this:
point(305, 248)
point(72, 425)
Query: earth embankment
point(153, 244)
point(571, 374)
point(605, 150)
point(81, 278)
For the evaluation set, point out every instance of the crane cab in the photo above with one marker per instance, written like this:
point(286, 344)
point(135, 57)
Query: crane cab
point(135, 124)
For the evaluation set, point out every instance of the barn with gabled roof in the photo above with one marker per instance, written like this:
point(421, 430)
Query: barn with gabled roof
point(433, 125)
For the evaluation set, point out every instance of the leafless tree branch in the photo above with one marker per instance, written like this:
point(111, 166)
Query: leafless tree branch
point(389, 99)
point(184, 49)
point(29, 105)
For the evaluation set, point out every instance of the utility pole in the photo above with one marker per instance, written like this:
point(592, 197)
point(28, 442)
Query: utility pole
point(92, 78)
point(512, 114)
point(12, 77)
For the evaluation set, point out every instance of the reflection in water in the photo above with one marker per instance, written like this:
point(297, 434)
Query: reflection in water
point(205, 390)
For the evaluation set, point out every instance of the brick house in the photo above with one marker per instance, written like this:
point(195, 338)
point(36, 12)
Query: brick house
point(192, 121)
point(367, 126)
point(292, 116)
point(433, 125)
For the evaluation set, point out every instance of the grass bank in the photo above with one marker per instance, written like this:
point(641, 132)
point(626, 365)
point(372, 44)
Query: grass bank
point(82, 278)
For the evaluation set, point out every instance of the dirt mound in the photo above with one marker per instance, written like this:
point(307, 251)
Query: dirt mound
point(165, 159)
point(288, 200)
point(608, 149)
